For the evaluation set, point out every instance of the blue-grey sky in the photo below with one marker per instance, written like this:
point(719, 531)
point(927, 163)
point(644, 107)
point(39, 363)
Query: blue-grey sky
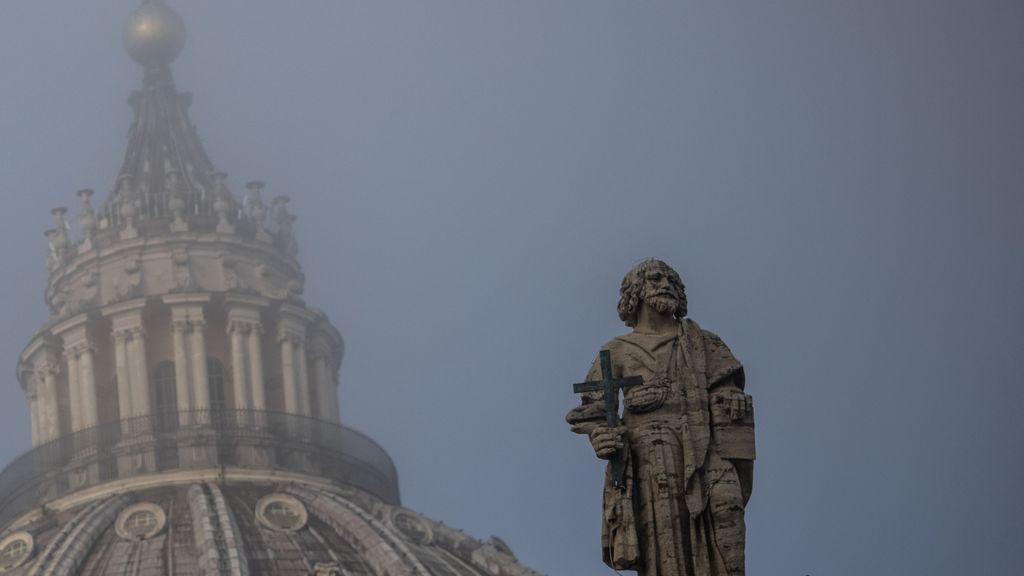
point(839, 183)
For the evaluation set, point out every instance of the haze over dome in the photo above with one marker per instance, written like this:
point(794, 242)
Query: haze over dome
point(154, 34)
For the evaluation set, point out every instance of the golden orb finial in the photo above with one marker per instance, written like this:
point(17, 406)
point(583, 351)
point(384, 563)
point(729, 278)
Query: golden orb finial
point(154, 34)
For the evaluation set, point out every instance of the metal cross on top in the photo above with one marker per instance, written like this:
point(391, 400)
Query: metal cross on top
point(610, 387)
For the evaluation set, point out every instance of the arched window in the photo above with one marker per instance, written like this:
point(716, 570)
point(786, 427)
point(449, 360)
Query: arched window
point(166, 388)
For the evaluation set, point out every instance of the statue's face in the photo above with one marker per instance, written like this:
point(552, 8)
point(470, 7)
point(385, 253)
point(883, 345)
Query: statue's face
point(659, 291)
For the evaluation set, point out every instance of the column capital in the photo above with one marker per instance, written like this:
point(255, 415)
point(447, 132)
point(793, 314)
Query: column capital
point(47, 367)
point(179, 325)
point(32, 388)
point(241, 326)
point(291, 337)
point(319, 350)
point(79, 348)
point(121, 335)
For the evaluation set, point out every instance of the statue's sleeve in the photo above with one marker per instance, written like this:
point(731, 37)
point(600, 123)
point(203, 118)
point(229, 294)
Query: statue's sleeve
point(590, 413)
point(722, 367)
point(734, 439)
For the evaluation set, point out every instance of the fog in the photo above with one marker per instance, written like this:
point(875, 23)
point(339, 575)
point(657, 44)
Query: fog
point(838, 183)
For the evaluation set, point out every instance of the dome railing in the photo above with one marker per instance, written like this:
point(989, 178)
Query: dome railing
point(195, 440)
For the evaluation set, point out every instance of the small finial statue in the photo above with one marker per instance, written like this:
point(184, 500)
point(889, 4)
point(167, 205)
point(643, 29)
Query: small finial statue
point(176, 201)
point(60, 242)
point(87, 219)
point(222, 203)
point(284, 224)
point(255, 209)
point(126, 201)
point(681, 457)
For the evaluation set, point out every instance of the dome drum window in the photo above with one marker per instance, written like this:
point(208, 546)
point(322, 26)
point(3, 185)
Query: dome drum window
point(15, 550)
point(141, 522)
point(281, 512)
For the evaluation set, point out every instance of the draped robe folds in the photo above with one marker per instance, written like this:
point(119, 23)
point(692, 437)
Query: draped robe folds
point(680, 512)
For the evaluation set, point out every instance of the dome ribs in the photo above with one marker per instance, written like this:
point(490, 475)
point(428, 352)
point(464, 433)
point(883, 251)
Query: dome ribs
point(217, 540)
point(66, 553)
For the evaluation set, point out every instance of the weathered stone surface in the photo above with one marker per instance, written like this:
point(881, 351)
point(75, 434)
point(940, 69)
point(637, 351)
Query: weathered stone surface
point(686, 438)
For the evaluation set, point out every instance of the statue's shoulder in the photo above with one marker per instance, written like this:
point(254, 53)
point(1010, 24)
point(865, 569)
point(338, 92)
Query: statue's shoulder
point(709, 337)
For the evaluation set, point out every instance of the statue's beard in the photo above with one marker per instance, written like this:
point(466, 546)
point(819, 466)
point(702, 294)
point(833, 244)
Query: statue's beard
point(662, 304)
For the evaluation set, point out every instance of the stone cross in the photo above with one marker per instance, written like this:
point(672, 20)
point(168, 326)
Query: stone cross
point(610, 386)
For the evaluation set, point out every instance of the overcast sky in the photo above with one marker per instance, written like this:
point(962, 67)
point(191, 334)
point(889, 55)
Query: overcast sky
point(839, 184)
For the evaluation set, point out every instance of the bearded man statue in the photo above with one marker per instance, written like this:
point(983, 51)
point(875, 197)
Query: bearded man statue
point(686, 435)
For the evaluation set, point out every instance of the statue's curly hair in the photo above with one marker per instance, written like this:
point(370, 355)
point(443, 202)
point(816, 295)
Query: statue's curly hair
point(633, 286)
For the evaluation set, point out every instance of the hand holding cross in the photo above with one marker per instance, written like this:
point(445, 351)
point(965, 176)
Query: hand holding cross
point(610, 386)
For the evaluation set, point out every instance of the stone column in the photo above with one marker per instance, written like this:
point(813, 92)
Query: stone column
point(189, 352)
point(74, 389)
point(302, 377)
point(131, 367)
point(139, 369)
point(136, 452)
point(182, 379)
point(31, 395)
point(238, 331)
point(319, 386)
point(291, 333)
point(259, 391)
point(126, 408)
point(87, 382)
point(200, 377)
point(291, 392)
point(326, 392)
point(46, 375)
point(83, 470)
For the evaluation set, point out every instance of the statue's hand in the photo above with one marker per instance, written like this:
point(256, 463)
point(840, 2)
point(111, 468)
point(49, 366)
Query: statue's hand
point(645, 398)
point(735, 403)
point(607, 441)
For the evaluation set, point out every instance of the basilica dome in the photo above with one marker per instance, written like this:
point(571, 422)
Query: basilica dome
point(212, 526)
point(183, 396)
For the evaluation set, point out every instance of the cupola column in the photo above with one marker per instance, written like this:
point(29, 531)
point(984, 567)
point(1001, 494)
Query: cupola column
point(179, 329)
point(124, 389)
point(44, 366)
point(291, 334)
point(259, 391)
point(305, 407)
point(32, 396)
point(239, 331)
point(323, 390)
point(291, 393)
point(325, 393)
point(189, 338)
point(200, 376)
point(246, 356)
point(139, 368)
point(78, 355)
point(130, 363)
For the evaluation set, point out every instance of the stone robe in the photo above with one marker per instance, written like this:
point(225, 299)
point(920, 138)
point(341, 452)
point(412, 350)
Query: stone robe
point(680, 512)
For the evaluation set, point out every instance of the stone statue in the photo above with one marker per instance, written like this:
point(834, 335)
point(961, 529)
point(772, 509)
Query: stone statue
point(674, 504)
